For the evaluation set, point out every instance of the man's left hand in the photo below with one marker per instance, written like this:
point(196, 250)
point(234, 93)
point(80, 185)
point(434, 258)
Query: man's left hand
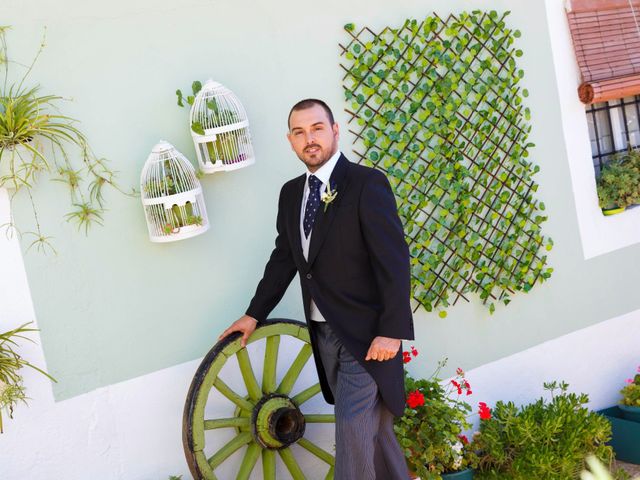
point(383, 348)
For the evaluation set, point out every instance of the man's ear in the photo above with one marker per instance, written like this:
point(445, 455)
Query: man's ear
point(336, 130)
point(290, 142)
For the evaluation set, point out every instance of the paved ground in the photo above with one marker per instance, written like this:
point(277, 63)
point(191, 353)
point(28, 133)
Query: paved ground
point(629, 467)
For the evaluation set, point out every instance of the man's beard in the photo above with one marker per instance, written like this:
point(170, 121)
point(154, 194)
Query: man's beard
point(321, 156)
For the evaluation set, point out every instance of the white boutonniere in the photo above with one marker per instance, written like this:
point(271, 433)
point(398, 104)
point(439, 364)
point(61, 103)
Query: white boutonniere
point(328, 196)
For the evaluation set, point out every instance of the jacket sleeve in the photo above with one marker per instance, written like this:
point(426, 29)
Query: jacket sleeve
point(278, 272)
point(389, 254)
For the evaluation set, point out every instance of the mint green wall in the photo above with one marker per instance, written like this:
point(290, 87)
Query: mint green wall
point(113, 305)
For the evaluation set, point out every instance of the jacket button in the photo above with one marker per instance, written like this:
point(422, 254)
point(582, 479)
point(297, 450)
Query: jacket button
point(309, 276)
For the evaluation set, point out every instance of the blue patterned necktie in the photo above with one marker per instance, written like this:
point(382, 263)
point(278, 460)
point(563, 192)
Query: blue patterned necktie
point(313, 203)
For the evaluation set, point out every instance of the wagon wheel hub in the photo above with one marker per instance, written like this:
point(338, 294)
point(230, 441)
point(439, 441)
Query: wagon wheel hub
point(277, 422)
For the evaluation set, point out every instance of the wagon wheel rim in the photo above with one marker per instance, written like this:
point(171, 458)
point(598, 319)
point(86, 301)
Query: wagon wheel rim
point(267, 420)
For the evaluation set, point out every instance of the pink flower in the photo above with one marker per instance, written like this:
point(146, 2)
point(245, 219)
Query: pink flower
point(629, 380)
point(459, 371)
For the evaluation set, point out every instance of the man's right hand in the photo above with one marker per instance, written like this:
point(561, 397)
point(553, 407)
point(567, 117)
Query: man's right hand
point(244, 324)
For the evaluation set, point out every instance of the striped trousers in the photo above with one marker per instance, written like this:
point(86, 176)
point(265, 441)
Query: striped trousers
point(366, 446)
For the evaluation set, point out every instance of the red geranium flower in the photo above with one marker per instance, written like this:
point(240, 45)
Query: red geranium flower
point(406, 357)
point(414, 352)
point(484, 411)
point(463, 439)
point(459, 371)
point(415, 399)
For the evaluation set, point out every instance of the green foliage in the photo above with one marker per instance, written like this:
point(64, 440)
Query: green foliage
point(12, 390)
point(429, 434)
point(631, 392)
point(544, 439)
point(619, 181)
point(36, 139)
point(217, 116)
point(439, 107)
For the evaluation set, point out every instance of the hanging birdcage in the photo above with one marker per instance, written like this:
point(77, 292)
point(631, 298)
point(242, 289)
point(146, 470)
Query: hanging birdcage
point(172, 196)
point(220, 130)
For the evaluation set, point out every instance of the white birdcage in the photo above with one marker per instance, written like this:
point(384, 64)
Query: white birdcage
point(220, 130)
point(172, 196)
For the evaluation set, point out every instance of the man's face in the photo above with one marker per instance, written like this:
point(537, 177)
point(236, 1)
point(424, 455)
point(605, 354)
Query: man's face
point(312, 136)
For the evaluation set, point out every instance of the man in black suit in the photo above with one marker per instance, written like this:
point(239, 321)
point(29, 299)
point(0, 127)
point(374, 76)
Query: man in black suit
point(338, 227)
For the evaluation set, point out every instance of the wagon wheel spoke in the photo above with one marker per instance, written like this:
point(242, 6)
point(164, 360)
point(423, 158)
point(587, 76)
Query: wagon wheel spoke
point(269, 464)
point(237, 422)
point(249, 461)
point(294, 371)
point(270, 363)
point(305, 395)
point(317, 451)
point(330, 474)
point(224, 453)
point(266, 417)
point(225, 390)
point(248, 376)
point(291, 464)
point(320, 418)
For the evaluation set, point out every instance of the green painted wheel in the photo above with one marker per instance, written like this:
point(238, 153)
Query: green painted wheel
point(267, 420)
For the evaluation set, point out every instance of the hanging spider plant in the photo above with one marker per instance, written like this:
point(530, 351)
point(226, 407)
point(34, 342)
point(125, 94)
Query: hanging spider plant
point(36, 139)
point(12, 390)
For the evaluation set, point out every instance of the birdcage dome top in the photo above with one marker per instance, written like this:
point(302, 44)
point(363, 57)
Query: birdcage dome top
point(217, 109)
point(167, 172)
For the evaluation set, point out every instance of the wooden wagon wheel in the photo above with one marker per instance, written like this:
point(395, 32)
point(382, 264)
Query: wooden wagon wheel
point(267, 420)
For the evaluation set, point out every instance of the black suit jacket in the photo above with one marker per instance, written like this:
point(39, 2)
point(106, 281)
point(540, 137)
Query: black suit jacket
point(357, 270)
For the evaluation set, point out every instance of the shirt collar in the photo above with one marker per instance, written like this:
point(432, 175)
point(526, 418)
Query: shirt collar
point(324, 172)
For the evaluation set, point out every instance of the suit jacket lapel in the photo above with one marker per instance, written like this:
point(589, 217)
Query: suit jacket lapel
point(294, 221)
point(338, 182)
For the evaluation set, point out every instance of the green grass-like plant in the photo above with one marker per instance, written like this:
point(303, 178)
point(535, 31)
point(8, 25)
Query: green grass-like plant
point(12, 390)
point(36, 140)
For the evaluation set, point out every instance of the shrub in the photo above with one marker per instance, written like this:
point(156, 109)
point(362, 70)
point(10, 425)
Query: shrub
point(543, 440)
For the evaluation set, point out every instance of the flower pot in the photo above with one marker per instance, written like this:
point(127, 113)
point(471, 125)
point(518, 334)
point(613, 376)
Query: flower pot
point(466, 474)
point(630, 413)
point(625, 435)
point(612, 211)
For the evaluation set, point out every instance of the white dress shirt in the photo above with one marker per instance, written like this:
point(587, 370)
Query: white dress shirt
point(323, 174)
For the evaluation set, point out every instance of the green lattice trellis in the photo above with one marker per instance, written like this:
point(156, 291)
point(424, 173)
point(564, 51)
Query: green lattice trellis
point(438, 108)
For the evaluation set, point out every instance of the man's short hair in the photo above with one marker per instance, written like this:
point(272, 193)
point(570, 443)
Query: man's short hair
point(308, 103)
